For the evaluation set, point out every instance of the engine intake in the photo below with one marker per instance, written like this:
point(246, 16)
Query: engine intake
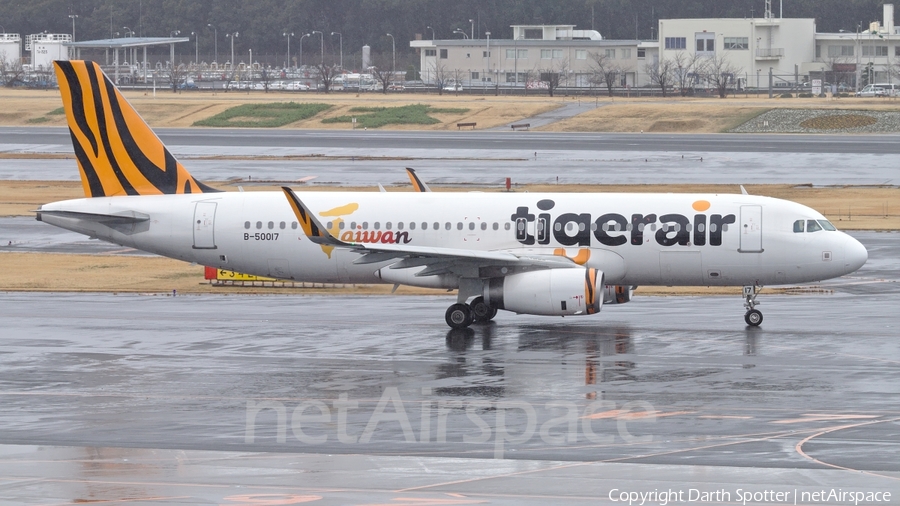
point(550, 292)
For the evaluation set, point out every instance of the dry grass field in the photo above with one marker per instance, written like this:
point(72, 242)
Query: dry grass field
point(670, 114)
point(167, 109)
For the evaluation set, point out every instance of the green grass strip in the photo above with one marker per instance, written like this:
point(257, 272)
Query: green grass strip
point(263, 115)
point(374, 117)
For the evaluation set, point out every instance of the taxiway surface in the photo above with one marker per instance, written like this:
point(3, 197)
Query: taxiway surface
point(371, 157)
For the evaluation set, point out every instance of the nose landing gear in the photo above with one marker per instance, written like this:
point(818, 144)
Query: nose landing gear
point(753, 316)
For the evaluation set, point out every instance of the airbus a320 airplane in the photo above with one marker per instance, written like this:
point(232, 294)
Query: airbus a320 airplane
point(544, 254)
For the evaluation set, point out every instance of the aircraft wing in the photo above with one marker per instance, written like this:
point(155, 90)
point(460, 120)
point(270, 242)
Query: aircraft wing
point(437, 260)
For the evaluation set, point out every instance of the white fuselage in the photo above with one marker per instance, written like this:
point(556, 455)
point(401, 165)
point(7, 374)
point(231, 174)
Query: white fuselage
point(621, 234)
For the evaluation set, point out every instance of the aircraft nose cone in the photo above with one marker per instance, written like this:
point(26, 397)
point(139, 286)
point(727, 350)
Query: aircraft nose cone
point(855, 254)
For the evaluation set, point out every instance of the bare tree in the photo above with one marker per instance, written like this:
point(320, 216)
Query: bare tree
point(176, 76)
point(327, 74)
point(686, 69)
point(531, 79)
point(457, 80)
point(440, 74)
point(265, 77)
point(605, 71)
point(721, 72)
point(660, 74)
point(555, 76)
point(383, 71)
point(11, 71)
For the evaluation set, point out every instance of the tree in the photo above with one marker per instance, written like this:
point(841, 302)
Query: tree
point(265, 77)
point(11, 71)
point(457, 80)
point(383, 71)
point(439, 73)
point(176, 76)
point(327, 74)
point(604, 71)
point(721, 72)
point(686, 68)
point(661, 74)
point(555, 76)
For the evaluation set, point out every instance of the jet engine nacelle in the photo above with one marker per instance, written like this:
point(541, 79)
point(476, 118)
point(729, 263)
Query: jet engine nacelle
point(550, 292)
point(617, 294)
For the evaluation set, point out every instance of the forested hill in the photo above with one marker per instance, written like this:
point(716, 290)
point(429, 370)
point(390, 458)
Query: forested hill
point(262, 23)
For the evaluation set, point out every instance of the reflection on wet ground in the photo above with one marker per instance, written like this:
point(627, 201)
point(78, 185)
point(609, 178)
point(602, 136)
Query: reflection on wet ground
point(642, 382)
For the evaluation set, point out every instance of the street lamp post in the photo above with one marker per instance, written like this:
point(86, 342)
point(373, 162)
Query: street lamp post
point(488, 68)
point(432, 32)
point(289, 35)
point(322, 39)
point(464, 34)
point(393, 56)
point(72, 17)
point(300, 61)
point(216, 37)
point(472, 21)
point(516, 60)
point(196, 36)
point(341, 44)
point(232, 36)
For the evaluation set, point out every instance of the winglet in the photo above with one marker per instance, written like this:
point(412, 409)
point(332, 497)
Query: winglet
point(416, 182)
point(744, 190)
point(313, 228)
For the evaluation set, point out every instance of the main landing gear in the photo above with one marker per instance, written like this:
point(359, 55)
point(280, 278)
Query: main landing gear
point(461, 315)
point(753, 316)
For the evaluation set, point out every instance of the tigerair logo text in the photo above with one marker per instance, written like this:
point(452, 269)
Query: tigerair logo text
point(613, 229)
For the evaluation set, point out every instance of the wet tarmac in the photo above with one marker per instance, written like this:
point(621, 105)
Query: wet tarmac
point(363, 400)
point(487, 158)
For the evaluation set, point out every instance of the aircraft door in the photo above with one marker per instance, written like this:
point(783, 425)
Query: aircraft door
point(751, 229)
point(204, 225)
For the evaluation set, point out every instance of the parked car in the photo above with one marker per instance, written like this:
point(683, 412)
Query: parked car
point(453, 87)
point(872, 90)
point(396, 87)
point(296, 86)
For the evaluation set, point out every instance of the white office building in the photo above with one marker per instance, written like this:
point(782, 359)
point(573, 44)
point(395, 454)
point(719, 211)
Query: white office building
point(789, 48)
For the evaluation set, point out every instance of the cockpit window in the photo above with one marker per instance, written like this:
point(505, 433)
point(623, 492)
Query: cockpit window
point(813, 226)
point(827, 225)
point(798, 226)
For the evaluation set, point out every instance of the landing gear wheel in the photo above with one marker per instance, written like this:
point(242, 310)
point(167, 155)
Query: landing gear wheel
point(481, 311)
point(459, 316)
point(753, 317)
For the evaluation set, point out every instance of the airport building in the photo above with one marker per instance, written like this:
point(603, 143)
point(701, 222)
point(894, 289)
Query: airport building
point(790, 48)
point(10, 48)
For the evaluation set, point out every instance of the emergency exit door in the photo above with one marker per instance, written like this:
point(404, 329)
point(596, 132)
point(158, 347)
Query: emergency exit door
point(204, 225)
point(751, 229)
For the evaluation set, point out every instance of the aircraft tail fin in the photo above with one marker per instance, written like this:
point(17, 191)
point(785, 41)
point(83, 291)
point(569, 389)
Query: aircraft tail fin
point(117, 152)
point(417, 183)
